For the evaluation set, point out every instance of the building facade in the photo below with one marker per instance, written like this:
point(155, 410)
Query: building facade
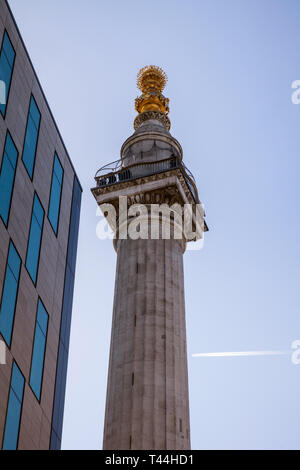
point(40, 198)
point(147, 403)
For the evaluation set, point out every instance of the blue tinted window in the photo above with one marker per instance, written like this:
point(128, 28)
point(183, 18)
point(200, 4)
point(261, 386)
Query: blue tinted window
point(35, 236)
point(55, 194)
point(7, 177)
point(31, 137)
point(64, 335)
point(9, 294)
point(11, 432)
point(7, 58)
point(38, 354)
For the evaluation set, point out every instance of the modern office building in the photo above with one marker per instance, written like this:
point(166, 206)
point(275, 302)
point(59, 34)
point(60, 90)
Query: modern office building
point(40, 198)
point(147, 403)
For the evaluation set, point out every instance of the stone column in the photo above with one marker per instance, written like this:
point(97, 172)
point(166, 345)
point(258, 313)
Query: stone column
point(147, 393)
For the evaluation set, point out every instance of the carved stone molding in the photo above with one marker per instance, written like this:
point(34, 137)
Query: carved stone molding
point(142, 181)
point(169, 195)
point(158, 116)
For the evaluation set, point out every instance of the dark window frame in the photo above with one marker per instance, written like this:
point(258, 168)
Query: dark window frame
point(21, 410)
point(50, 192)
point(37, 137)
point(28, 238)
point(18, 285)
point(13, 185)
point(46, 337)
point(12, 71)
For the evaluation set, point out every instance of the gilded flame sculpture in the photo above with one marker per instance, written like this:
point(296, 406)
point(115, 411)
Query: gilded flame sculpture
point(151, 80)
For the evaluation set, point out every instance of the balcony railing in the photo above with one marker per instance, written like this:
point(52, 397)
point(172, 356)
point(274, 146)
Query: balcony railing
point(113, 173)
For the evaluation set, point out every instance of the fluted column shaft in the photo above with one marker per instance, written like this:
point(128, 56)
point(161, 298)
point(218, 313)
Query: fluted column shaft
point(147, 393)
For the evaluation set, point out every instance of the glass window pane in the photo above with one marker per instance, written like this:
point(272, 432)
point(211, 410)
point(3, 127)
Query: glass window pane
point(30, 146)
point(54, 204)
point(6, 186)
point(14, 408)
point(10, 150)
point(31, 137)
point(7, 57)
point(33, 249)
point(39, 346)
point(58, 169)
point(37, 362)
point(42, 318)
point(12, 423)
point(14, 261)
point(34, 112)
point(8, 49)
point(7, 177)
point(34, 242)
point(9, 294)
point(17, 382)
point(55, 195)
point(8, 306)
point(38, 211)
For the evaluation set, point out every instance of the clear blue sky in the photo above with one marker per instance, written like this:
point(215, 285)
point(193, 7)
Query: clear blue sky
point(230, 66)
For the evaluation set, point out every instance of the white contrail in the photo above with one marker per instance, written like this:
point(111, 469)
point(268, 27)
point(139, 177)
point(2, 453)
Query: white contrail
point(242, 353)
